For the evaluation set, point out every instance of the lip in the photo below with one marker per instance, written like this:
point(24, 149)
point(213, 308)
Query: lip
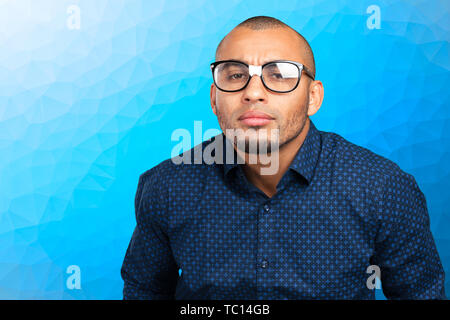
point(255, 118)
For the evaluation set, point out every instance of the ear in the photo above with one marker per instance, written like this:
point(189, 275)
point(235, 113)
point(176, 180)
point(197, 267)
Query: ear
point(315, 96)
point(212, 96)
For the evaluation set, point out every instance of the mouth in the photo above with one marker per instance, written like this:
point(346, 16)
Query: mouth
point(255, 118)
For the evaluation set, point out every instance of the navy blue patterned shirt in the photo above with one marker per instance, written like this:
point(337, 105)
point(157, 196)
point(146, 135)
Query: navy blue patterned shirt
point(205, 232)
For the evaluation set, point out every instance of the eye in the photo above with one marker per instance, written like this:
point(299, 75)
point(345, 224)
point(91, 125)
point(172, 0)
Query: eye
point(277, 76)
point(236, 76)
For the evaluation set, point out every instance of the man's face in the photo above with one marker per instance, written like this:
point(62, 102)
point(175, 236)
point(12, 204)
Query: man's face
point(287, 110)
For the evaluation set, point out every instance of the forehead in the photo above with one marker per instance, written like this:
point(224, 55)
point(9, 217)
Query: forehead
point(260, 46)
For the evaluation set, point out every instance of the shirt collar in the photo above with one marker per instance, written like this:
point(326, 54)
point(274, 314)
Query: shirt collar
point(304, 161)
point(227, 164)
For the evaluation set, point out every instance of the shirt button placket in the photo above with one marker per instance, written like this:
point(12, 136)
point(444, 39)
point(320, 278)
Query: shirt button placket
point(263, 250)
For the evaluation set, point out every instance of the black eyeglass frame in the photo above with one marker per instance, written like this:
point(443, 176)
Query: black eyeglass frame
point(301, 67)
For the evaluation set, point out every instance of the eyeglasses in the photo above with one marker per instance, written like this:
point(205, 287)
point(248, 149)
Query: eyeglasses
point(279, 76)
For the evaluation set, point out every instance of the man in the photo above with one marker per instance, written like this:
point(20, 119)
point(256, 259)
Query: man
point(317, 227)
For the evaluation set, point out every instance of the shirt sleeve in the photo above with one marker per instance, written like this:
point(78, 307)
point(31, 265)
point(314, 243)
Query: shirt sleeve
point(405, 250)
point(149, 270)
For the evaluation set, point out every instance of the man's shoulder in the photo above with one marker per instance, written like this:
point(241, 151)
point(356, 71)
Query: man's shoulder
point(350, 156)
point(187, 167)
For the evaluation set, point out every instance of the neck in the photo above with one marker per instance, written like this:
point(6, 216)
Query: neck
point(286, 153)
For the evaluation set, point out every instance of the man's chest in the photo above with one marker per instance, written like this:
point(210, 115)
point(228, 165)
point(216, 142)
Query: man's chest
point(311, 240)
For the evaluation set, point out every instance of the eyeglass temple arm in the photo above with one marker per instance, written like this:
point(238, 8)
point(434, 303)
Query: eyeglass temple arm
point(308, 72)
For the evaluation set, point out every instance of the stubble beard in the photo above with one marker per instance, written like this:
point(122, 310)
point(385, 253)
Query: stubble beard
point(286, 134)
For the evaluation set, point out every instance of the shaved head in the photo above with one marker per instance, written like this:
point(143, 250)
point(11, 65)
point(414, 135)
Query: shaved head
point(264, 23)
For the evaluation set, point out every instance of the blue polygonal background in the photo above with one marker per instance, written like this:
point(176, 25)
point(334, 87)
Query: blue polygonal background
point(83, 112)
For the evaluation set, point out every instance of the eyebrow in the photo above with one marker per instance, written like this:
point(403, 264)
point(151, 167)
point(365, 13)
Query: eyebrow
point(265, 61)
point(226, 67)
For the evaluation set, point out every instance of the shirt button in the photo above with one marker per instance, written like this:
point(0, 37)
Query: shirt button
point(264, 264)
point(266, 208)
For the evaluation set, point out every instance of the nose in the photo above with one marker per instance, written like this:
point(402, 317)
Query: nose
point(255, 91)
